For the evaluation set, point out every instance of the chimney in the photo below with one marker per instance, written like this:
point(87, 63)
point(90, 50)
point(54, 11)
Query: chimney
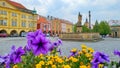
point(48, 17)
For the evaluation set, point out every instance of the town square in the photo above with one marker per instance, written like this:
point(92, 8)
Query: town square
point(59, 34)
point(67, 45)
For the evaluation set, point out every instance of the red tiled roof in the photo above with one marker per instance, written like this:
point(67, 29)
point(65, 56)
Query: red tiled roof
point(42, 20)
point(18, 5)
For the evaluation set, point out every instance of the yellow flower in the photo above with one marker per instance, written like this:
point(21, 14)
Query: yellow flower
point(49, 62)
point(88, 55)
point(100, 66)
point(66, 60)
point(59, 60)
point(84, 50)
point(41, 62)
point(38, 66)
point(81, 63)
point(90, 50)
point(79, 52)
point(71, 58)
point(55, 57)
point(88, 66)
point(74, 60)
point(83, 46)
point(41, 56)
point(56, 54)
point(54, 66)
point(66, 66)
point(74, 50)
point(49, 57)
point(15, 66)
point(90, 59)
point(83, 66)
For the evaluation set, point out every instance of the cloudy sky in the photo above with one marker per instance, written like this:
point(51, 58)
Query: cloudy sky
point(69, 9)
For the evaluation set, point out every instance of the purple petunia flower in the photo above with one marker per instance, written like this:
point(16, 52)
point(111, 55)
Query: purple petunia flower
point(16, 56)
point(55, 44)
point(73, 53)
point(1, 60)
point(51, 48)
point(99, 58)
point(116, 52)
point(27, 48)
point(59, 42)
point(38, 43)
point(60, 51)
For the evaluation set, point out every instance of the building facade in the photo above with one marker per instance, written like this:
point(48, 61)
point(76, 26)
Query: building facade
point(44, 24)
point(63, 25)
point(16, 19)
point(68, 27)
point(115, 28)
point(54, 26)
point(115, 31)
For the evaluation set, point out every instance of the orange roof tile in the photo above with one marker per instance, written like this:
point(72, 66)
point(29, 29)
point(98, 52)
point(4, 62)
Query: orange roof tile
point(18, 5)
point(42, 20)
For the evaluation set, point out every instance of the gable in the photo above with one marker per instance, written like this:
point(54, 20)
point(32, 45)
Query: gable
point(3, 3)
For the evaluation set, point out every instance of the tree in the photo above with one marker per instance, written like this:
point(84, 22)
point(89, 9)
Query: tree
point(96, 27)
point(85, 29)
point(104, 28)
point(75, 28)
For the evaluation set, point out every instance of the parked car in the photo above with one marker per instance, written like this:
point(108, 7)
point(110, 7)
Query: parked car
point(14, 35)
point(23, 34)
point(3, 35)
point(47, 35)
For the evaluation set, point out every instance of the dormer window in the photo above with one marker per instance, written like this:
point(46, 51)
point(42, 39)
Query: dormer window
point(3, 3)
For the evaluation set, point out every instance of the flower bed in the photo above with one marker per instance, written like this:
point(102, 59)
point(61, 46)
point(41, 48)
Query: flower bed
point(40, 52)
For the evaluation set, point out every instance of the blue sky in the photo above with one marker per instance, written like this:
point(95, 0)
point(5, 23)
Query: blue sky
point(69, 9)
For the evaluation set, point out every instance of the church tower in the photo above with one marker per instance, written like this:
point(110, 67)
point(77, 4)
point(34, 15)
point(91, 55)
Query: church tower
point(86, 23)
point(79, 23)
point(79, 20)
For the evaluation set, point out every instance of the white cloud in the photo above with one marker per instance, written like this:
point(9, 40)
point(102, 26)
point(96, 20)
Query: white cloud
point(73, 4)
point(40, 5)
point(103, 3)
point(68, 9)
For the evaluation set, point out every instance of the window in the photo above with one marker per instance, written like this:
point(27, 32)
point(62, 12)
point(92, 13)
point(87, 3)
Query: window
point(45, 26)
point(14, 14)
point(3, 22)
point(31, 25)
point(14, 23)
point(23, 24)
point(0, 12)
point(23, 16)
point(3, 3)
point(3, 12)
point(30, 17)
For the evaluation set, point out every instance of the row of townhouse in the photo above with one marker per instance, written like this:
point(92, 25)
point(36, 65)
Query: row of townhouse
point(15, 19)
point(54, 26)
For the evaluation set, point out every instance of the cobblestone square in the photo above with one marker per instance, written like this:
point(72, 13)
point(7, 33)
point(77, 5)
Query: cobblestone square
point(108, 45)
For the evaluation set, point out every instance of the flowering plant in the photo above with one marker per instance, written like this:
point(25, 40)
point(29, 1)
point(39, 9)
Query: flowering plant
point(40, 52)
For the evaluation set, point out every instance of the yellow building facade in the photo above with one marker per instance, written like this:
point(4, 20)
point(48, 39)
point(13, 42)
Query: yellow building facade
point(15, 18)
point(69, 27)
